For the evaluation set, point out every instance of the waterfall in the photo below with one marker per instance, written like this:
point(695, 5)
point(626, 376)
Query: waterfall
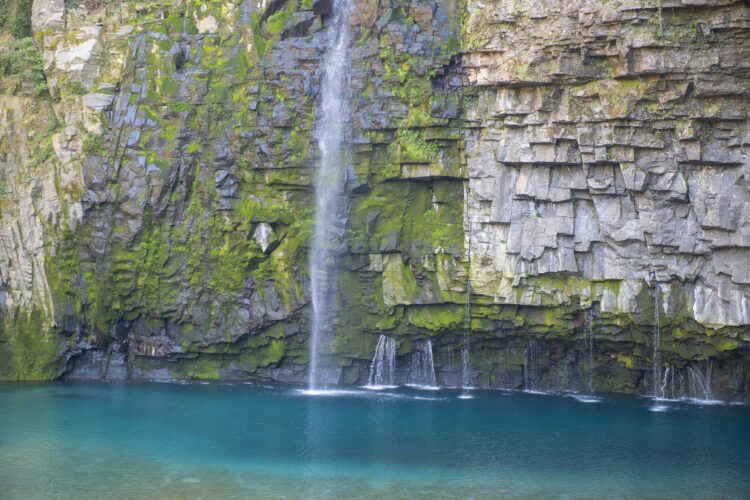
point(590, 345)
point(501, 357)
point(383, 366)
point(330, 180)
point(700, 381)
point(668, 375)
point(465, 365)
point(689, 383)
point(422, 367)
point(531, 367)
point(656, 367)
point(448, 378)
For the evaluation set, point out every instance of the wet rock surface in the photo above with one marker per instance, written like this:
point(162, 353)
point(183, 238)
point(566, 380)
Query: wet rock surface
point(570, 160)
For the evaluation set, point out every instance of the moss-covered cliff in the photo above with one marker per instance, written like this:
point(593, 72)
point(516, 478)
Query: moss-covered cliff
point(577, 163)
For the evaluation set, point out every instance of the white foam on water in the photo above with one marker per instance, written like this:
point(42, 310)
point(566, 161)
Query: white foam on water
point(424, 387)
point(376, 387)
point(659, 408)
point(537, 392)
point(704, 402)
point(586, 398)
point(328, 392)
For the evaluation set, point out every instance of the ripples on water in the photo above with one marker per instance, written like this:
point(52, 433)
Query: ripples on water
point(240, 441)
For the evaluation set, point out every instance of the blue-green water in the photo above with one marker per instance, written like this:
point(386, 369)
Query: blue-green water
point(242, 441)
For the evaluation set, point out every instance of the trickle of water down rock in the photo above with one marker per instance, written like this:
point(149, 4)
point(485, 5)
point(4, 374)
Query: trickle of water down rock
point(422, 367)
point(658, 390)
point(383, 366)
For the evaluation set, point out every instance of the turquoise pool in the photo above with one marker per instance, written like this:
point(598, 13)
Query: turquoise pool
point(141, 440)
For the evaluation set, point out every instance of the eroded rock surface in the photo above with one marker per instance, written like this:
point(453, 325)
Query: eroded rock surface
point(577, 164)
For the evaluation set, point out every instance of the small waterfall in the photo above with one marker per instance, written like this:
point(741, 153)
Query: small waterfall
point(689, 383)
point(330, 180)
point(448, 378)
point(699, 381)
point(656, 367)
point(562, 375)
point(590, 345)
point(422, 367)
point(531, 367)
point(668, 382)
point(383, 366)
point(465, 365)
point(502, 355)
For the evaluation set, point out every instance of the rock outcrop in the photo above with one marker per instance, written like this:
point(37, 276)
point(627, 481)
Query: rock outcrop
point(580, 166)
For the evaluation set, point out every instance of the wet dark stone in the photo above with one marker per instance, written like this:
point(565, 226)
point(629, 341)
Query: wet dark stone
point(298, 30)
point(323, 8)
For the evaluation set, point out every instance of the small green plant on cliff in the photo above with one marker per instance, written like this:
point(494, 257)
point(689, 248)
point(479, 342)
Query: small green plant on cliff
point(93, 145)
point(15, 17)
point(21, 64)
point(76, 88)
point(409, 82)
point(416, 147)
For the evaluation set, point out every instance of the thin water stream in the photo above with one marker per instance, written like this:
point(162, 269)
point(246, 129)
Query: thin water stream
point(383, 366)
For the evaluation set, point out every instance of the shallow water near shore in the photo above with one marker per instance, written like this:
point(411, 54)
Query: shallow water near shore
point(141, 440)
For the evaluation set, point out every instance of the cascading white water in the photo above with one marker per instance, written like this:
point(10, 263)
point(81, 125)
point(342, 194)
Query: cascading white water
point(465, 365)
point(665, 381)
point(691, 383)
point(422, 366)
point(590, 342)
point(330, 180)
point(656, 367)
point(531, 367)
point(700, 382)
point(502, 355)
point(448, 375)
point(383, 366)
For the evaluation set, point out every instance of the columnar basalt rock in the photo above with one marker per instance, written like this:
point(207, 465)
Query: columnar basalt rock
point(157, 206)
point(608, 153)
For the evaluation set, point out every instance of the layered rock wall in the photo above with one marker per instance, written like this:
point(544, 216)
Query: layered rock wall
point(576, 165)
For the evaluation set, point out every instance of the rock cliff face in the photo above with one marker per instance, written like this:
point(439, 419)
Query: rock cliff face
point(580, 166)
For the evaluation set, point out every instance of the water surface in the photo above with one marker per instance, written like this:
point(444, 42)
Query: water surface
point(240, 441)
